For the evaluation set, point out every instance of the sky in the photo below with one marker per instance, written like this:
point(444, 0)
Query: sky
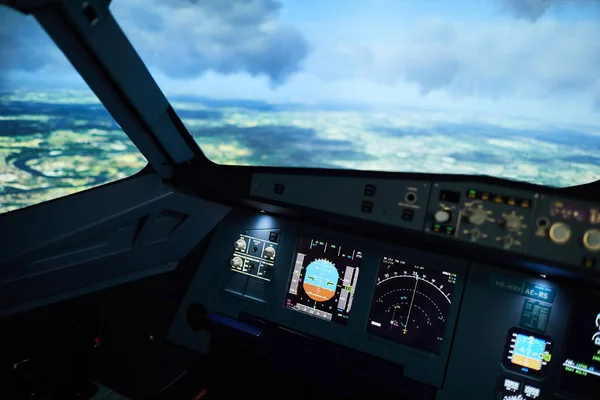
point(536, 59)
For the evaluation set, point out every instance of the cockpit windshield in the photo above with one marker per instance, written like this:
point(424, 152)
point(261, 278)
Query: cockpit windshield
point(507, 88)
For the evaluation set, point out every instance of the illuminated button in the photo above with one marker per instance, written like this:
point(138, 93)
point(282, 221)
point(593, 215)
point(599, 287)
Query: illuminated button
point(511, 201)
point(269, 252)
point(531, 392)
point(442, 216)
point(525, 204)
point(472, 194)
point(485, 196)
point(436, 227)
point(498, 199)
point(591, 240)
point(236, 262)
point(240, 245)
point(560, 232)
point(511, 385)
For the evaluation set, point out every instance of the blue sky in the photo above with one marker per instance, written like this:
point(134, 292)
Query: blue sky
point(537, 59)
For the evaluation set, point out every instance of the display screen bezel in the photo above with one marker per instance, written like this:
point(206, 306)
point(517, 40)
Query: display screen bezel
point(510, 366)
point(450, 319)
point(342, 242)
point(592, 297)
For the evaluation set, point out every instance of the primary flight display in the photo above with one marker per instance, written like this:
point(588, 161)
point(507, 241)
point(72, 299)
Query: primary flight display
point(323, 279)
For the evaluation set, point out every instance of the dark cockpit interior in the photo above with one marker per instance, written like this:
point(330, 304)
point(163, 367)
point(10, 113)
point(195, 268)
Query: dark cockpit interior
point(193, 279)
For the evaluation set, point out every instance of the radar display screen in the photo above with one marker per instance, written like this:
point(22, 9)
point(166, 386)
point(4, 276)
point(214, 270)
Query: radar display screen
point(527, 353)
point(411, 303)
point(581, 368)
point(323, 279)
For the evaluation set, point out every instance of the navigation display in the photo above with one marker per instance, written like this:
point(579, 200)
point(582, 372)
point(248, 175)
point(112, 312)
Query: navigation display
point(411, 303)
point(581, 368)
point(323, 279)
point(527, 352)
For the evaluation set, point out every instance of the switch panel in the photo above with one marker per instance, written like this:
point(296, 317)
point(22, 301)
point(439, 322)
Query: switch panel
point(254, 253)
point(484, 214)
point(567, 230)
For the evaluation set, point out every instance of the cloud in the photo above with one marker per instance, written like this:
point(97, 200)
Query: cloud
point(24, 45)
point(184, 39)
point(506, 59)
point(431, 68)
point(492, 59)
point(528, 9)
point(534, 9)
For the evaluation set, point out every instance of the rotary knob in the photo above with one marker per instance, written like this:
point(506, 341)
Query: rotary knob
point(442, 216)
point(476, 216)
point(507, 242)
point(236, 262)
point(269, 252)
point(591, 240)
point(240, 245)
point(560, 232)
point(512, 223)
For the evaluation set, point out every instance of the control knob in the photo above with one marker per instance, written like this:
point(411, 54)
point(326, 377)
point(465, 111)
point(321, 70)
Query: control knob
point(507, 242)
point(236, 262)
point(269, 252)
point(442, 216)
point(476, 216)
point(560, 232)
point(512, 222)
point(591, 240)
point(240, 245)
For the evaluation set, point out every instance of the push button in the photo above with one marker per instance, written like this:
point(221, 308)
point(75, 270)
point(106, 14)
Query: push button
point(370, 190)
point(273, 236)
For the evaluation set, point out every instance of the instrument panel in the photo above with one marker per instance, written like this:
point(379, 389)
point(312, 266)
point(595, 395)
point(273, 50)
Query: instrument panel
point(385, 300)
point(450, 325)
point(520, 221)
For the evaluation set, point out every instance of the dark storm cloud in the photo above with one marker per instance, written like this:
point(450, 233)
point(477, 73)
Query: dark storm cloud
point(186, 38)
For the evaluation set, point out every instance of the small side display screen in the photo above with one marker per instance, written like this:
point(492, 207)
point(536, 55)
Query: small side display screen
point(323, 279)
point(527, 352)
point(581, 367)
point(411, 303)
